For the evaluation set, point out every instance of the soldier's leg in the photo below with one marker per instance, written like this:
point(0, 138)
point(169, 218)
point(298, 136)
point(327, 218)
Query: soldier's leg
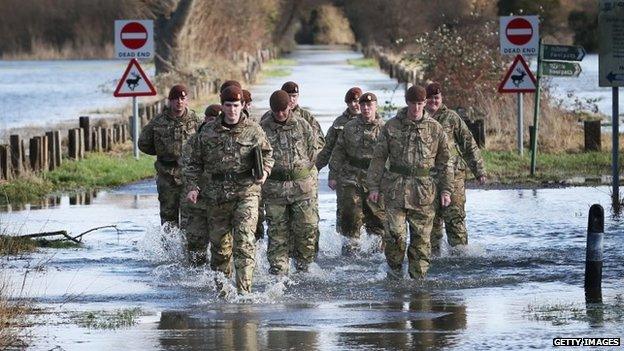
point(303, 228)
point(374, 215)
point(279, 237)
point(260, 226)
point(351, 218)
point(169, 198)
point(195, 223)
point(394, 238)
point(244, 222)
point(437, 229)
point(455, 215)
point(419, 251)
point(339, 202)
point(219, 233)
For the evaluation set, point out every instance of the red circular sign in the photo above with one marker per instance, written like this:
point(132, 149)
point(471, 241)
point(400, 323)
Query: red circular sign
point(133, 35)
point(519, 31)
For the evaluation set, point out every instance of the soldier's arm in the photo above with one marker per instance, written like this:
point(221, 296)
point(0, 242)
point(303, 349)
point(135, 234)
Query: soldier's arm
point(267, 151)
point(320, 139)
point(311, 149)
point(192, 163)
point(330, 141)
point(338, 158)
point(443, 163)
point(378, 162)
point(146, 140)
point(469, 148)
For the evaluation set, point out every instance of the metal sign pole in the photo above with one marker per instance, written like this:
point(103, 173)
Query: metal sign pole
point(615, 171)
point(537, 108)
point(135, 128)
point(520, 126)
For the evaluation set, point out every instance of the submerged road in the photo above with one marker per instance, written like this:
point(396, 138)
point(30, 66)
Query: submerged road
point(517, 285)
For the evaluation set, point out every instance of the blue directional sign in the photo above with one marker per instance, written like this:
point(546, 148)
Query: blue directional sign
point(614, 78)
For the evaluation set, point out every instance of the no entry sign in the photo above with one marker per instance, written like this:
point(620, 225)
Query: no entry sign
point(134, 39)
point(519, 35)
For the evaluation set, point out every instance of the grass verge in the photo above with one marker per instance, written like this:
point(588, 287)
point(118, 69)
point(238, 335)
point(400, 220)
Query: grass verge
point(95, 171)
point(277, 68)
point(508, 167)
point(109, 319)
point(363, 62)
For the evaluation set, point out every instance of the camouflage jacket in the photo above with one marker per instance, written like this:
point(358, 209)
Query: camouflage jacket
point(416, 150)
point(332, 136)
point(316, 127)
point(462, 146)
point(293, 177)
point(354, 150)
point(164, 137)
point(225, 156)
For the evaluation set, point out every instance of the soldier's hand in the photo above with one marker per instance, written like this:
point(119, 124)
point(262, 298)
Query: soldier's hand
point(481, 180)
point(192, 196)
point(373, 196)
point(263, 179)
point(332, 184)
point(445, 199)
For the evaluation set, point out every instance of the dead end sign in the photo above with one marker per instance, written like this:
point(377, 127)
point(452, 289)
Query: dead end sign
point(519, 35)
point(134, 39)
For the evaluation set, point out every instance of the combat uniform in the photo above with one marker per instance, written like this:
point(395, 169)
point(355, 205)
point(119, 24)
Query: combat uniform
point(464, 152)
point(413, 149)
point(349, 162)
point(225, 153)
point(164, 137)
point(289, 193)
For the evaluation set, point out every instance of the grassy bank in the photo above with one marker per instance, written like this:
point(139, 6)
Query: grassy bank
point(95, 171)
point(363, 62)
point(510, 168)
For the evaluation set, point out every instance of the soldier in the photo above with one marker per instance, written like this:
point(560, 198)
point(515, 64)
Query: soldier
point(194, 219)
point(353, 109)
point(415, 145)
point(464, 152)
point(349, 162)
point(164, 137)
point(247, 101)
point(290, 190)
point(224, 150)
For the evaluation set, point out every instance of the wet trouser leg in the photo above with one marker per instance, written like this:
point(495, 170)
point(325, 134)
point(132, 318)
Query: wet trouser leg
point(304, 230)
point(169, 193)
point(455, 215)
point(194, 221)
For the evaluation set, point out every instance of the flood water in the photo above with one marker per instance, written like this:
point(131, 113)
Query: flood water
point(517, 285)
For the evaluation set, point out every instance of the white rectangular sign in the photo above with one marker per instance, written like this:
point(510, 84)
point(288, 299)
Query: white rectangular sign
point(611, 38)
point(134, 39)
point(519, 35)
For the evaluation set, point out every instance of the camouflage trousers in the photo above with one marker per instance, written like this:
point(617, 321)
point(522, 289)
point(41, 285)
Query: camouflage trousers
point(358, 211)
point(169, 194)
point(231, 231)
point(453, 218)
point(395, 238)
point(261, 219)
point(194, 222)
point(291, 225)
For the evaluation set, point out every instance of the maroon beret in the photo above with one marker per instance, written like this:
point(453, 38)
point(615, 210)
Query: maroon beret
point(177, 91)
point(279, 101)
point(290, 88)
point(231, 93)
point(367, 97)
point(353, 94)
point(415, 93)
point(247, 96)
point(433, 89)
point(229, 83)
point(213, 110)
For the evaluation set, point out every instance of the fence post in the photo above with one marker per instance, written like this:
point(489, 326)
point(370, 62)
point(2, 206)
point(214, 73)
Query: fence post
point(592, 135)
point(58, 149)
point(593, 254)
point(35, 157)
point(43, 151)
point(72, 144)
point(16, 154)
point(5, 162)
point(81, 143)
point(85, 126)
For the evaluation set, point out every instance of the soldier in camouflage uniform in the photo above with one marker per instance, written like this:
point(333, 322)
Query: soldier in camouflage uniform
point(164, 137)
point(194, 219)
point(224, 151)
point(415, 145)
point(290, 190)
point(293, 92)
point(349, 162)
point(353, 109)
point(464, 152)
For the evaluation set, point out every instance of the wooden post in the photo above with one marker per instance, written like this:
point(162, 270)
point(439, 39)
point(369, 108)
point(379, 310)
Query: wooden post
point(43, 151)
point(104, 138)
point(16, 155)
point(592, 135)
point(124, 133)
point(86, 129)
point(81, 143)
point(51, 152)
point(109, 142)
point(35, 157)
point(5, 162)
point(72, 144)
point(97, 139)
point(58, 150)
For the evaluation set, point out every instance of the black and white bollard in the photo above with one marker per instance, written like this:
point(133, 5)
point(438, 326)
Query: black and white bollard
point(593, 254)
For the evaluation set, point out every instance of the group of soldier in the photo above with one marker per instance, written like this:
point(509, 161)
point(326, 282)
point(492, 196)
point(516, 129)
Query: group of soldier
point(219, 180)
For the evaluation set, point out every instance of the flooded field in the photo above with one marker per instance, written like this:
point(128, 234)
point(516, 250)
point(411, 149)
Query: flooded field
point(517, 285)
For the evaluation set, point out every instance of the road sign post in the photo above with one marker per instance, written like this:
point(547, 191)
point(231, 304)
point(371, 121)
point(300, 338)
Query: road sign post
point(520, 129)
point(536, 110)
